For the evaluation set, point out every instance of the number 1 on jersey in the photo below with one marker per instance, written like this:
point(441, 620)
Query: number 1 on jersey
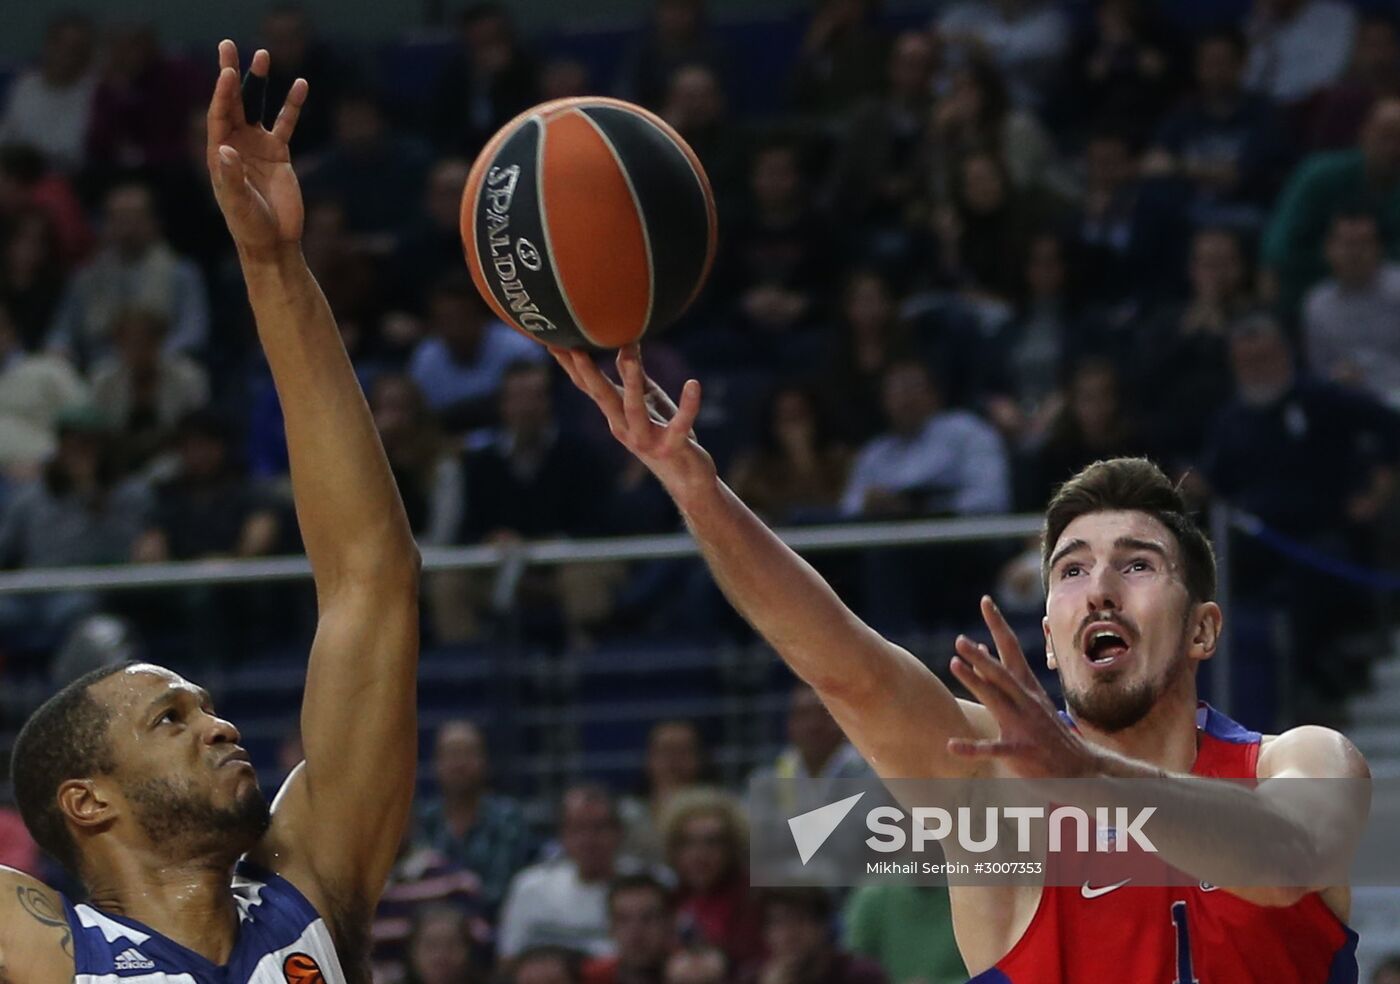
point(1184, 973)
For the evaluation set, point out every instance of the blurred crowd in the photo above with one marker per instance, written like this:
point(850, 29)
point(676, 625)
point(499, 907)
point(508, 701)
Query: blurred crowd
point(974, 250)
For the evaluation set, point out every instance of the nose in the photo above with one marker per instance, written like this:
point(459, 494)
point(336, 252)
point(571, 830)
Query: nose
point(221, 732)
point(1104, 588)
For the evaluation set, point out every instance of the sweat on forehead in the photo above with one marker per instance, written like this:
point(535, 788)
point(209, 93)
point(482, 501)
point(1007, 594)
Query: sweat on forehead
point(140, 682)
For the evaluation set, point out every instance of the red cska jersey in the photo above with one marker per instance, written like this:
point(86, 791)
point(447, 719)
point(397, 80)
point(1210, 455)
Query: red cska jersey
point(1181, 935)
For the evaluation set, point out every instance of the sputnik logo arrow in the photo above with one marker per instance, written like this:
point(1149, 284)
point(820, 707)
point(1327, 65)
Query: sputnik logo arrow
point(810, 830)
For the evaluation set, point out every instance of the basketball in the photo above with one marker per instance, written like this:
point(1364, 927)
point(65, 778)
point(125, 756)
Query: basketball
point(588, 222)
point(302, 968)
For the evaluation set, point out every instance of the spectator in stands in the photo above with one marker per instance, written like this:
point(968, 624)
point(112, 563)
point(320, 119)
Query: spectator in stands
point(1225, 143)
point(1027, 38)
point(424, 891)
point(696, 106)
point(907, 930)
point(1091, 424)
point(430, 248)
point(1317, 463)
point(877, 168)
point(1026, 358)
point(778, 258)
point(191, 219)
point(565, 78)
point(677, 35)
point(141, 105)
point(530, 478)
point(797, 927)
point(697, 965)
point(842, 59)
point(707, 846)
point(50, 106)
point(869, 337)
point(1298, 47)
point(1387, 971)
point(31, 275)
point(28, 182)
point(17, 848)
point(78, 513)
point(1350, 319)
point(1180, 368)
point(985, 232)
point(1326, 184)
point(546, 965)
point(976, 114)
point(208, 508)
point(461, 364)
point(488, 80)
point(289, 37)
point(375, 173)
point(798, 469)
point(1113, 224)
point(564, 902)
point(482, 831)
point(1375, 74)
point(142, 388)
point(675, 761)
point(816, 755)
point(1121, 73)
point(933, 460)
point(440, 947)
point(35, 389)
point(430, 475)
point(134, 267)
point(642, 922)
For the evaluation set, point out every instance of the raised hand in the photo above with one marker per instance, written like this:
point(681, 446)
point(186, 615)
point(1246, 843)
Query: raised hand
point(250, 165)
point(1034, 743)
point(643, 418)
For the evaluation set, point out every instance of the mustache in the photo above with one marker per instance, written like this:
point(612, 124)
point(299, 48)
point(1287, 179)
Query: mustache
point(1112, 617)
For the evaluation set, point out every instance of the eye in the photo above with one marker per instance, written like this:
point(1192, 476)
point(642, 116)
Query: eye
point(1139, 564)
point(1071, 569)
point(171, 716)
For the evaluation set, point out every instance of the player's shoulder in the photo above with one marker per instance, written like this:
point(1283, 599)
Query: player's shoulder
point(1311, 751)
point(36, 943)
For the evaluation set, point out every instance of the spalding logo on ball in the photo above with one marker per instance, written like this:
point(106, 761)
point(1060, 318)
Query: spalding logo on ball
point(588, 222)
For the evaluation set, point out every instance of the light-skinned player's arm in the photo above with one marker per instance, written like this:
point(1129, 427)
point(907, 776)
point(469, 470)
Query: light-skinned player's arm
point(1224, 833)
point(338, 820)
point(892, 707)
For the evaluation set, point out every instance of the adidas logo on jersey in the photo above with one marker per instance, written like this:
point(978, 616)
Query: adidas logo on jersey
point(132, 959)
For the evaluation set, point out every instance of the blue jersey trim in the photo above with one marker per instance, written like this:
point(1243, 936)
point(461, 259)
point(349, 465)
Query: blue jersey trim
point(992, 976)
point(1344, 969)
point(1217, 725)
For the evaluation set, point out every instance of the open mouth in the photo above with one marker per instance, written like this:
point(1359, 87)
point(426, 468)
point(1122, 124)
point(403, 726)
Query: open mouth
point(1104, 644)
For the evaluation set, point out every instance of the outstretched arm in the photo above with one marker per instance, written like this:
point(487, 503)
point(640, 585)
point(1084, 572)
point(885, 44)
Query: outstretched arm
point(893, 708)
point(337, 822)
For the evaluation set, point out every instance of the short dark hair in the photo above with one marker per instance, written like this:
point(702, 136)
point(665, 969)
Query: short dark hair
point(814, 904)
point(66, 738)
point(1134, 485)
point(640, 882)
point(570, 960)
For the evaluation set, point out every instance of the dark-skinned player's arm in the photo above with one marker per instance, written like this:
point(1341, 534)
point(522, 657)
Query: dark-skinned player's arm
point(1220, 832)
point(891, 706)
point(36, 945)
point(337, 822)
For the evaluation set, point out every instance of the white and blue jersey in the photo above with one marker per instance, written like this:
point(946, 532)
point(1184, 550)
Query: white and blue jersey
point(282, 939)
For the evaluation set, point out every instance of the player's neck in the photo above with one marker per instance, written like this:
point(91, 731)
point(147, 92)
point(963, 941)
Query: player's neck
point(188, 903)
point(1165, 737)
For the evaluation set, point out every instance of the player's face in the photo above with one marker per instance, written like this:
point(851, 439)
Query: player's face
point(1119, 624)
point(180, 773)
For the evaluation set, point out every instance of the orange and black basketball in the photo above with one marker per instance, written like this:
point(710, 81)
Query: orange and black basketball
point(588, 222)
point(302, 968)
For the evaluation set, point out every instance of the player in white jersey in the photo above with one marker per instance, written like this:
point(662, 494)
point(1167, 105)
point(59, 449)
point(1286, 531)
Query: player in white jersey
point(131, 779)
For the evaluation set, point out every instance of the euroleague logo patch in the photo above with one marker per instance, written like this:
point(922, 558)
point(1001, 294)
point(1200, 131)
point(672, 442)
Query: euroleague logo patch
point(302, 968)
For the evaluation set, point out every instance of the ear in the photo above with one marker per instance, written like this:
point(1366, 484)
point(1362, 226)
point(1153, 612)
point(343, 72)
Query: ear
point(83, 802)
point(1204, 630)
point(1049, 645)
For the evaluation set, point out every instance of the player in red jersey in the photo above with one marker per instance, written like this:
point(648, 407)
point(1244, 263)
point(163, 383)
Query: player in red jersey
point(1129, 618)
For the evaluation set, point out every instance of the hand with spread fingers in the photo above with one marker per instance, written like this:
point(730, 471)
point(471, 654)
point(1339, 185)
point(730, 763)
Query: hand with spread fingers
point(250, 165)
point(1033, 743)
point(643, 418)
